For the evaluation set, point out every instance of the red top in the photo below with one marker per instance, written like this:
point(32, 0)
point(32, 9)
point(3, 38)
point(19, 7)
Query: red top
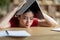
point(15, 23)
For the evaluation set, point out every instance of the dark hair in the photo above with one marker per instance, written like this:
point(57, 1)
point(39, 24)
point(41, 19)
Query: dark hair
point(26, 12)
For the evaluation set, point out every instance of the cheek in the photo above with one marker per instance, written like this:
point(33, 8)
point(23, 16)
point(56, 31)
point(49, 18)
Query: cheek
point(30, 23)
point(24, 21)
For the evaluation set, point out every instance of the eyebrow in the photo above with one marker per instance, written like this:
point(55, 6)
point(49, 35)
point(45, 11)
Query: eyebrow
point(24, 16)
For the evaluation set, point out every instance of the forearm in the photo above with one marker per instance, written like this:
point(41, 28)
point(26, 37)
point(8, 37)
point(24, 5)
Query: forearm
point(5, 21)
point(43, 23)
point(11, 14)
point(8, 17)
point(50, 20)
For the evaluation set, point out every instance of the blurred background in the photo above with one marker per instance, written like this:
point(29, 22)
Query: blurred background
point(50, 7)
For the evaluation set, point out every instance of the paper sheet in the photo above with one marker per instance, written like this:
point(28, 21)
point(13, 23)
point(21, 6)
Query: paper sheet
point(3, 33)
point(56, 29)
point(19, 33)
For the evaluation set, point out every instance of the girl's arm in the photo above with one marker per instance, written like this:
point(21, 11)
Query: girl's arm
point(7, 18)
point(48, 21)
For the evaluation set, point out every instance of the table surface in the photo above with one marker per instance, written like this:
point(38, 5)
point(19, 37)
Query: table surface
point(38, 33)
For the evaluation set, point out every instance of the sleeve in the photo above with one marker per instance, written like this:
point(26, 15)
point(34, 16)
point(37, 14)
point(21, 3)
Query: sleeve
point(14, 22)
point(35, 22)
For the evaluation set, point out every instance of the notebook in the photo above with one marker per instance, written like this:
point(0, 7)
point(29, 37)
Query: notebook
point(21, 33)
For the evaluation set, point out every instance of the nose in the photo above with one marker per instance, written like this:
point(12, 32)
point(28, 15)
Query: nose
point(28, 21)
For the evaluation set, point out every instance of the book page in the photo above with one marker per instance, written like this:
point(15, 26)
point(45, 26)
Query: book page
point(56, 29)
point(19, 33)
point(3, 33)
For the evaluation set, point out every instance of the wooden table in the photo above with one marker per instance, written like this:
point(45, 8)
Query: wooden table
point(38, 33)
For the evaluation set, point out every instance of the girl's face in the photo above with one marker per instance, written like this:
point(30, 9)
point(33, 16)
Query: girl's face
point(26, 19)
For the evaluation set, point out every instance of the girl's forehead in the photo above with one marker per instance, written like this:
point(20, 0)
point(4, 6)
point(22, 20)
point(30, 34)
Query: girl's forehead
point(28, 13)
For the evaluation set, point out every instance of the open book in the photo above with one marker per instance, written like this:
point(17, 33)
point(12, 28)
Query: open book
point(21, 33)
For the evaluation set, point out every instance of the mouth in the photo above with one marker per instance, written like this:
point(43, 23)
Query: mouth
point(28, 24)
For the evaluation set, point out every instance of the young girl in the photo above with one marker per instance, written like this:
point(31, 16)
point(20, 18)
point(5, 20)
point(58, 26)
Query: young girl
point(27, 19)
